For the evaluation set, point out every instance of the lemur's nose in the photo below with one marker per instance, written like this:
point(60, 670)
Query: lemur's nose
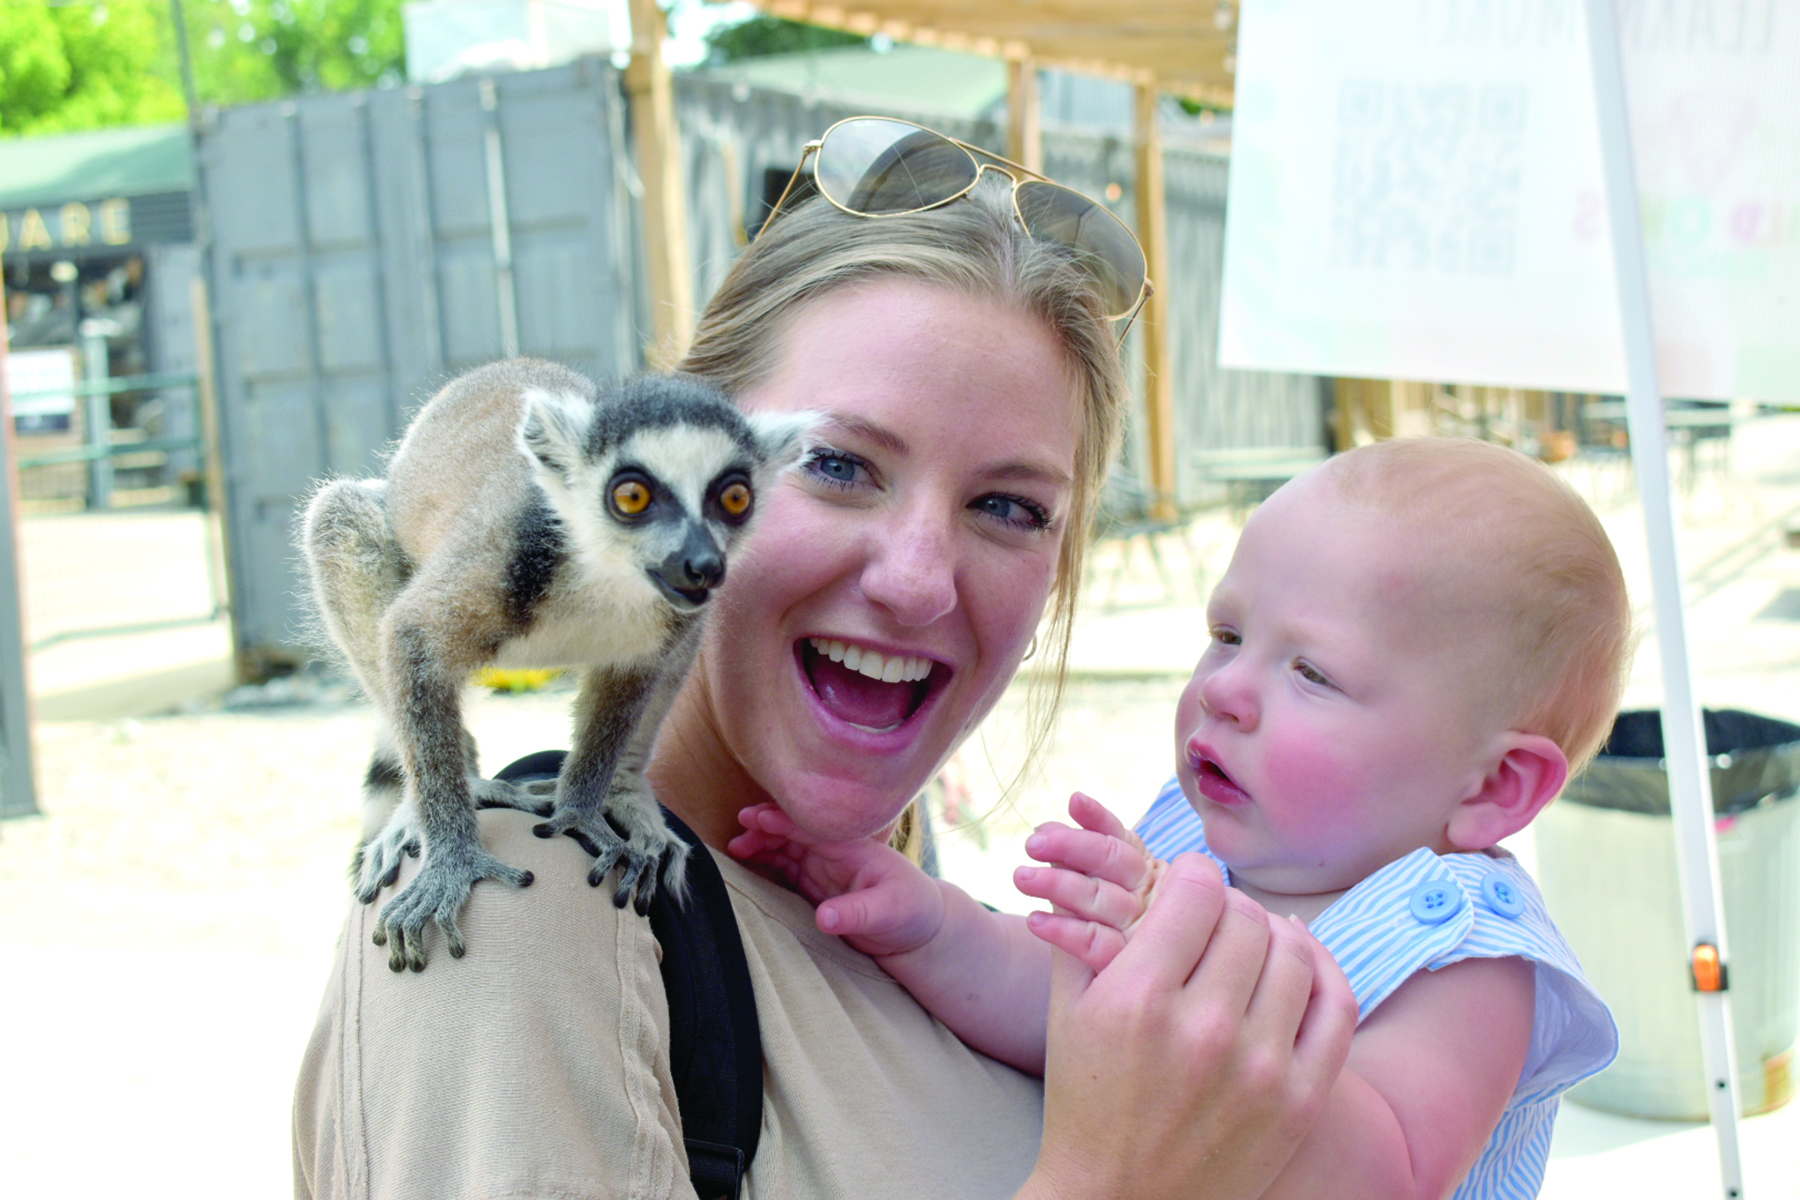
point(697, 565)
point(703, 571)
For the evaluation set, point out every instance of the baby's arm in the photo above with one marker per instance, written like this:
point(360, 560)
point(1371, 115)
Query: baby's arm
point(1429, 1074)
point(978, 971)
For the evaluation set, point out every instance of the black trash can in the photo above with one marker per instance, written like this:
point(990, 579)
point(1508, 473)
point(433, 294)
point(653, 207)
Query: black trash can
point(1606, 863)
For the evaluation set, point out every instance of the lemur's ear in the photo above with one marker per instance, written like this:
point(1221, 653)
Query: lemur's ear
point(1527, 773)
point(554, 431)
point(784, 437)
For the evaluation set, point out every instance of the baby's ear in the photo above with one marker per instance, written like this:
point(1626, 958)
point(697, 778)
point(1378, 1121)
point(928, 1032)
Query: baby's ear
point(1528, 774)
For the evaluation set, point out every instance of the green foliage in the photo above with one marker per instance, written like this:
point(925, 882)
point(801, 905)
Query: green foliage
point(260, 49)
point(763, 34)
point(86, 64)
point(83, 66)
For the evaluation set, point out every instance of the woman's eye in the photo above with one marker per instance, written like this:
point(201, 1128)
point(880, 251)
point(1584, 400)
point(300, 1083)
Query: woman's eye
point(1015, 511)
point(834, 467)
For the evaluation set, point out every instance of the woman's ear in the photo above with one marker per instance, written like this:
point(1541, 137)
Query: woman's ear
point(1529, 773)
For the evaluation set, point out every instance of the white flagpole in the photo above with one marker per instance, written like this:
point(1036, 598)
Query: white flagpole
point(1690, 785)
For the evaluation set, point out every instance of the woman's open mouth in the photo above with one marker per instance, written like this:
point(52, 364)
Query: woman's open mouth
point(864, 687)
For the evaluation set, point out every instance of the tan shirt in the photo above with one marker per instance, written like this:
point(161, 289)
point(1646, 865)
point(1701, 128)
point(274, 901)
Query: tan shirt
point(538, 1065)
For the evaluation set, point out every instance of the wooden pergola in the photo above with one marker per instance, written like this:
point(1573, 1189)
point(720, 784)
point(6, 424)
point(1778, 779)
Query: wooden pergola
point(1180, 47)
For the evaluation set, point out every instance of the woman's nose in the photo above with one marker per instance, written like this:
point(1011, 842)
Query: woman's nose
point(912, 572)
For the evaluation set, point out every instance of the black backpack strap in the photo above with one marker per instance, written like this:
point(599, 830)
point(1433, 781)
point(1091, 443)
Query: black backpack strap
point(715, 1043)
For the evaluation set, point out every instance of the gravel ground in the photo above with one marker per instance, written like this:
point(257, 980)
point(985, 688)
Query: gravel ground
point(166, 928)
point(172, 917)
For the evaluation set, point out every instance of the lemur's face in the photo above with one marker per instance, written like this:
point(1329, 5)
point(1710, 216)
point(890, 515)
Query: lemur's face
point(888, 594)
point(679, 498)
point(654, 486)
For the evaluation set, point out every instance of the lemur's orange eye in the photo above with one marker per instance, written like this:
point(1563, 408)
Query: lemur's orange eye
point(630, 497)
point(735, 499)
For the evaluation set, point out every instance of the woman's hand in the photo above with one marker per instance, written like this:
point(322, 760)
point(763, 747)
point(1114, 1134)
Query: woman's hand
point(1195, 1063)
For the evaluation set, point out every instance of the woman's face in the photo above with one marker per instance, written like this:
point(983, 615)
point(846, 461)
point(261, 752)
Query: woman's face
point(894, 579)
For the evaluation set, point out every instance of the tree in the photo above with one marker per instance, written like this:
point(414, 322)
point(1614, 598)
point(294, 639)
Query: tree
point(260, 49)
point(82, 66)
point(85, 64)
point(763, 34)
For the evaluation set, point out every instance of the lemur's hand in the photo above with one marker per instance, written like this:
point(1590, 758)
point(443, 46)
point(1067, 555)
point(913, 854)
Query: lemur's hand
point(377, 861)
point(1100, 879)
point(436, 895)
point(627, 831)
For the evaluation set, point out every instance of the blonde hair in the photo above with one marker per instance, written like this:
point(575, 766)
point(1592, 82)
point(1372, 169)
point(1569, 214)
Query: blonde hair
point(974, 246)
point(1542, 560)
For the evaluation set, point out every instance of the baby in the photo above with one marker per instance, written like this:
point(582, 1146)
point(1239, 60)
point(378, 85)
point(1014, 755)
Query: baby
point(1413, 648)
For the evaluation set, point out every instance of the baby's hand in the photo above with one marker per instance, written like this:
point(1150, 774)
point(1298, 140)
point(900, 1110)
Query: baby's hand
point(866, 892)
point(1100, 880)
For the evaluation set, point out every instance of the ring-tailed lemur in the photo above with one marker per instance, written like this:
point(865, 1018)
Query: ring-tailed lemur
point(527, 519)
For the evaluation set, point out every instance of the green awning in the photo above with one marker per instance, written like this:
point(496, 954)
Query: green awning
point(138, 161)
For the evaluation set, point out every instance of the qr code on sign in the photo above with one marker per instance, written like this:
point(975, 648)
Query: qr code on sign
point(1428, 177)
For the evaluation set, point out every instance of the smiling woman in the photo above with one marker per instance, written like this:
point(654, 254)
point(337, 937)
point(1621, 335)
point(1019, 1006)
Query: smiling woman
point(969, 396)
point(901, 537)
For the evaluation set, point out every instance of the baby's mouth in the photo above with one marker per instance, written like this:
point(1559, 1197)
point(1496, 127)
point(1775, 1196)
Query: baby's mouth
point(864, 687)
point(1213, 781)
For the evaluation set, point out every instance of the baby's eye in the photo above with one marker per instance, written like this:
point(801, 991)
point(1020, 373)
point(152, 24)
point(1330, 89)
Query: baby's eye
point(1225, 636)
point(1312, 674)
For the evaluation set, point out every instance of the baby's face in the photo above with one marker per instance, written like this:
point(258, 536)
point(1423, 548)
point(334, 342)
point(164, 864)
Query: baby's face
point(1331, 725)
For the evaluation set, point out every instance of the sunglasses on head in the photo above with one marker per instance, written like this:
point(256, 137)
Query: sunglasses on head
point(881, 167)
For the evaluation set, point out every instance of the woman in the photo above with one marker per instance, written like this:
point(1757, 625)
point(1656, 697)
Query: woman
point(972, 398)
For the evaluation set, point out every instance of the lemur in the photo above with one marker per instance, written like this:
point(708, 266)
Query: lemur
point(528, 519)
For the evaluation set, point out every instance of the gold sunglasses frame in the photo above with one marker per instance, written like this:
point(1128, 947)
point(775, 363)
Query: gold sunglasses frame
point(1004, 166)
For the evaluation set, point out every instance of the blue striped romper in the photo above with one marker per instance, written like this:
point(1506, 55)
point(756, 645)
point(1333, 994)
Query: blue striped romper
point(1427, 911)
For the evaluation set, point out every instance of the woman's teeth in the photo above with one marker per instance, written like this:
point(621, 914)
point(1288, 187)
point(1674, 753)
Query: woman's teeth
point(874, 664)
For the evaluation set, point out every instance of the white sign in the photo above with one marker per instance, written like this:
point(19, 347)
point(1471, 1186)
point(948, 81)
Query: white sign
point(1416, 193)
point(41, 384)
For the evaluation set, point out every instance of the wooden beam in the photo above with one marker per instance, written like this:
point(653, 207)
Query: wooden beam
point(1159, 365)
point(658, 145)
point(1025, 115)
point(1365, 410)
point(1174, 43)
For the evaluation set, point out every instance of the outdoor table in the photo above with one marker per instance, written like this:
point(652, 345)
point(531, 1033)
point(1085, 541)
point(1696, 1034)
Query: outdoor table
point(1252, 474)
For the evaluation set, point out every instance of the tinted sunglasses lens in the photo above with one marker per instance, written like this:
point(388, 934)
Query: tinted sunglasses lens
point(877, 167)
point(1053, 213)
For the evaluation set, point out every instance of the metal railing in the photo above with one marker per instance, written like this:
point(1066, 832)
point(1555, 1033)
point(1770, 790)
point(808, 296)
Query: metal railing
point(117, 528)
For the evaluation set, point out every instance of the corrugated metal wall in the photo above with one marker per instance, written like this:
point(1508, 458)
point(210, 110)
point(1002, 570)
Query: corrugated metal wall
point(365, 247)
point(361, 256)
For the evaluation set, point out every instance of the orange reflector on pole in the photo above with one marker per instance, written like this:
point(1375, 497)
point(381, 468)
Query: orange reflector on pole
point(1709, 972)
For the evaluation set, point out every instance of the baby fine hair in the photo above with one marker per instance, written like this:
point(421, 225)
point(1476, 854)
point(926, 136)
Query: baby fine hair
point(1542, 559)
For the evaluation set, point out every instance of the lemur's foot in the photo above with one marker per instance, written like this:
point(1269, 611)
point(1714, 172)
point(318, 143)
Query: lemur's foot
point(629, 833)
point(436, 897)
point(376, 863)
point(537, 796)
